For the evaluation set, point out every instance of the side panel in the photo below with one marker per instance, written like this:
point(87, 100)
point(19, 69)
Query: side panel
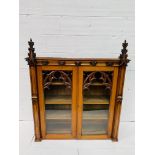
point(35, 103)
point(118, 105)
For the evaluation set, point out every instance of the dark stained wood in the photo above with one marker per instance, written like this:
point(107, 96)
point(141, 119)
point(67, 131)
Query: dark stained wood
point(43, 72)
point(31, 59)
point(124, 56)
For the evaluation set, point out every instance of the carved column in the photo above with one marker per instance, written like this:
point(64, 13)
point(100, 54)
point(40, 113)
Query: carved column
point(31, 59)
point(120, 83)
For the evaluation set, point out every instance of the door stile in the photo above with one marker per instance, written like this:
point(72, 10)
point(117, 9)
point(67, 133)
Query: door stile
point(74, 106)
point(80, 102)
point(41, 101)
point(112, 101)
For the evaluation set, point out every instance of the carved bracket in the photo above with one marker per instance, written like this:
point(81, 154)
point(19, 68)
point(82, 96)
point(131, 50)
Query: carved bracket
point(93, 63)
point(105, 79)
point(109, 63)
point(44, 63)
point(34, 99)
point(52, 76)
point(31, 59)
point(124, 56)
point(77, 63)
point(119, 99)
point(61, 63)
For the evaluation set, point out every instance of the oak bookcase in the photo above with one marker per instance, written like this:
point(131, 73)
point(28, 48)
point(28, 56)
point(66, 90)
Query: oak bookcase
point(76, 98)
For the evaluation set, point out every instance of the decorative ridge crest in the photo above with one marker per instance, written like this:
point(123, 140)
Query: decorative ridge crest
point(124, 56)
point(31, 59)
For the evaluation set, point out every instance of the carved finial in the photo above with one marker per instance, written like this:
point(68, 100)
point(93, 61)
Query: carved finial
point(31, 44)
point(31, 55)
point(124, 56)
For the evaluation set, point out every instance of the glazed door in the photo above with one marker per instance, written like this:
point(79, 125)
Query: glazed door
point(57, 101)
point(97, 89)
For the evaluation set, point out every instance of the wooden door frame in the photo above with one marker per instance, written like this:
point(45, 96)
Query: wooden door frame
point(81, 69)
point(42, 104)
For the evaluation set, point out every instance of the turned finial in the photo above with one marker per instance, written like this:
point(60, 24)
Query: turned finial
point(124, 56)
point(31, 55)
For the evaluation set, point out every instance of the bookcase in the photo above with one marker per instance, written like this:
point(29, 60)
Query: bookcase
point(76, 98)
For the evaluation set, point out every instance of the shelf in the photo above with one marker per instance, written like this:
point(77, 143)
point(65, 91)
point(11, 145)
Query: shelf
point(58, 114)
point(97, 84)
point(57, 83)
point(58, 127)
point(96, 100)
point(58, 99)
point(94, 127)
point(95, 115)
point(67, 100)
point(66, 115)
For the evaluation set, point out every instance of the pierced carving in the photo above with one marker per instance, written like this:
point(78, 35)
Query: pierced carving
point(93, 63)
point(103, 78)
point(31, 59)
point(61, 63)
point(124, 56)
point(119, 99)
point(53, 76)
point(77, 63)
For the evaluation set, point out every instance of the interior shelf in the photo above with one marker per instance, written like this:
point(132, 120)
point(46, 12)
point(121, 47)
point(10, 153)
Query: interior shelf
point(58, 83)
point(58, 127)
point(96, 100)
point(94, 128)
point(63, 99)
point(95, 115)
point(59, 121)
point(58, 114)
point(66, 115)
point(97, 84)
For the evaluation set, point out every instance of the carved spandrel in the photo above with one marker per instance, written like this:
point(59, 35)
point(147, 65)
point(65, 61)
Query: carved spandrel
point(104, 78)
point(61, 76)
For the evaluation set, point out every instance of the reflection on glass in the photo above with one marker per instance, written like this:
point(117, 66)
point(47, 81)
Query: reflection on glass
point(96, 100)
point(58, 101)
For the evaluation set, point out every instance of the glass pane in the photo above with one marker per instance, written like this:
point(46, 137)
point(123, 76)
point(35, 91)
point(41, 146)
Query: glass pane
point(58, 118)
point(58, 101)
point(96, 100)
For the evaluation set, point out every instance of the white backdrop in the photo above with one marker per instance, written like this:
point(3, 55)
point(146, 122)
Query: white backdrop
point(77, 28)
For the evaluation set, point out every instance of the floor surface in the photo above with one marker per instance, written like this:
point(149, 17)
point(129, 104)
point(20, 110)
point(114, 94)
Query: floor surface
point(125, 145)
